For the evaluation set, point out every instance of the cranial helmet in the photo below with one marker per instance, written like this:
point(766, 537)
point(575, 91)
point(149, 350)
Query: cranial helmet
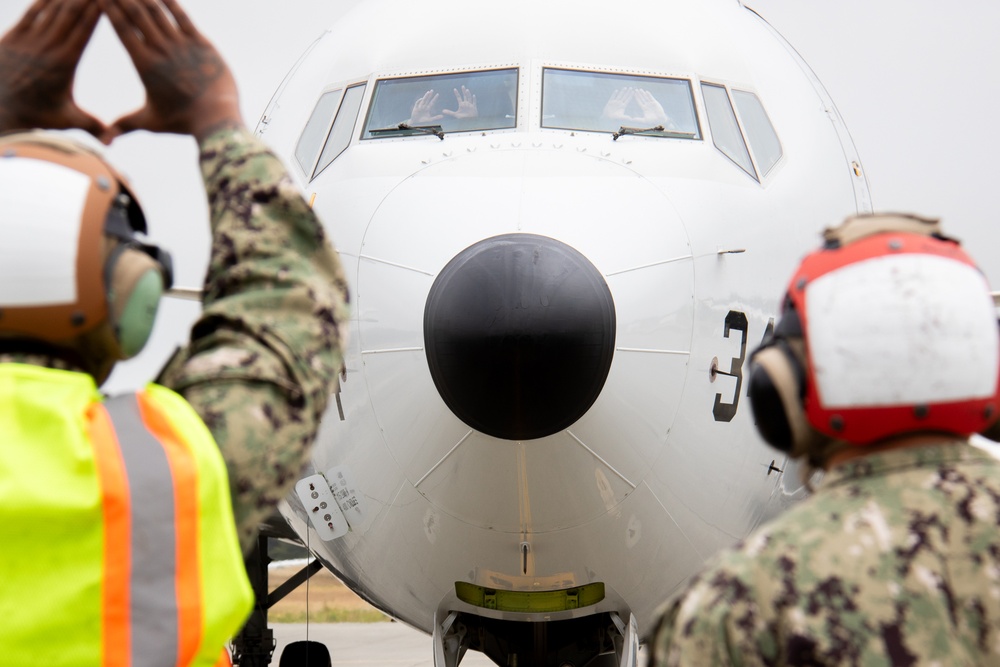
point(73, 274)
point(888, 329)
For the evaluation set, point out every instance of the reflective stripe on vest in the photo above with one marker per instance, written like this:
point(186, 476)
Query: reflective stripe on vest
point(153, 609)
point(120, 547)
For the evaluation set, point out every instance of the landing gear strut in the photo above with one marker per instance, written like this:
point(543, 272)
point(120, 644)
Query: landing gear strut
point(254, 645)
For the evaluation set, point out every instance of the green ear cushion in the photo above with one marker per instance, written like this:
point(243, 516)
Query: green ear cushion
point(139, 313)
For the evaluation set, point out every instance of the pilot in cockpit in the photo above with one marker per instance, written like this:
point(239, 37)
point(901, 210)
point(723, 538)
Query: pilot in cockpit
point(459, 102)
point(599, 102)
point(423, 112)
point(635, 107)
point(494, 109)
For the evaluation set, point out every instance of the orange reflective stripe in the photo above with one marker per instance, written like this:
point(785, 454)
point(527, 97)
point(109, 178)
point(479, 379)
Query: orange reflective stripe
point(224, 660)
point(115, 624)
point(153, 593)
point(184, 470)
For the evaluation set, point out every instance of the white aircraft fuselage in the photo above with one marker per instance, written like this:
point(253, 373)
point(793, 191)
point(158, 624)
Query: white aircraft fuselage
point(542, 430)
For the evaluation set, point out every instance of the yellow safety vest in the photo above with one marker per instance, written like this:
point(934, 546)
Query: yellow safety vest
point(118, 544)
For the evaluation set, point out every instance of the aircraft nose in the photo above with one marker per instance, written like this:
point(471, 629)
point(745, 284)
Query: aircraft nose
point(519, 332)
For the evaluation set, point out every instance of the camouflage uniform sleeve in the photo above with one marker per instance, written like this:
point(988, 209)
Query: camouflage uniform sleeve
point(264, 353)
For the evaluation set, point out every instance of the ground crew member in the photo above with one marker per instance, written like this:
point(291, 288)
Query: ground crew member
point(120, 545)
point(884, 362)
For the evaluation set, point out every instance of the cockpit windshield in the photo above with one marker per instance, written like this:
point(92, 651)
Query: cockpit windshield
point(606, 102)
point(459, 102)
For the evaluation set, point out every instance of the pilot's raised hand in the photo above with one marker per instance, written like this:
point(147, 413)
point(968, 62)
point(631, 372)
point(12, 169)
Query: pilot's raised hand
point(189, 88)
point(466, 105)
point(619, 100)
point(38, 61)
point(652, 111)
point(423, 109)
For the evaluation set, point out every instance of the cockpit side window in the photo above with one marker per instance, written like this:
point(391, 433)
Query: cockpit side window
point(457, 102)
point(608, 102)
point(317, 127)
point(760, 133)
point(725, 130)
point(343, 127)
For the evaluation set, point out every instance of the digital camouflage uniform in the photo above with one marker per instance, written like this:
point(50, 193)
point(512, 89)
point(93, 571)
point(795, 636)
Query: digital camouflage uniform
point(895, 560)
point(266, 350)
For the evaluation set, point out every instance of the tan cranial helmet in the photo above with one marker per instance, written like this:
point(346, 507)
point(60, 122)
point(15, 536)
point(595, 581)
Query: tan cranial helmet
point(73, 276)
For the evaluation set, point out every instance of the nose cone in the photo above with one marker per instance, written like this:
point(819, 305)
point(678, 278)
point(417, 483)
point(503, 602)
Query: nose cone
point(519, 331)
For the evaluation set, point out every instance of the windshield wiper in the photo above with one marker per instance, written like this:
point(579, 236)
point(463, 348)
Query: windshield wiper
point(622, 131)
point(418, 129)
point(673, 134)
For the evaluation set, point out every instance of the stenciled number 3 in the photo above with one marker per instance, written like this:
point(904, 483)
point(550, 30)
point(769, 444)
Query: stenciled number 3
point(735, 321)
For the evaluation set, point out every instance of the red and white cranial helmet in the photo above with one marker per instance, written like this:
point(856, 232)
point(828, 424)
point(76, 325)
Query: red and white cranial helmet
point(900, 333)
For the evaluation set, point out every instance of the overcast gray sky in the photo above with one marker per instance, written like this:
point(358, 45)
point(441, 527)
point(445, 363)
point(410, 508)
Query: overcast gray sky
point(913, 80)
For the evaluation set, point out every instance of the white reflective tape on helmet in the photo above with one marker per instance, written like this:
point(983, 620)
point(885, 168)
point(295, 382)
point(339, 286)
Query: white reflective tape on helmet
point(902, 330)
point(41, 206)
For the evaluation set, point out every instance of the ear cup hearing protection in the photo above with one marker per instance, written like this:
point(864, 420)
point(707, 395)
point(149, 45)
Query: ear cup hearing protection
point(777, 388)
point(135, 284)
point(135, 277)
point(776, 392)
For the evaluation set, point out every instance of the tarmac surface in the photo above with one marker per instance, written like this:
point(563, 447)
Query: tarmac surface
point(384, 644)
point(371, 644)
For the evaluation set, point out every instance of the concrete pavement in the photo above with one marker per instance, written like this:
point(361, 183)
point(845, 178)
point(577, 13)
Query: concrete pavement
point(373, 644)
point(369, 644)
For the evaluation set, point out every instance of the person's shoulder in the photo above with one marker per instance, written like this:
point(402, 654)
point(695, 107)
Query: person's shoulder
point(812, 518)
point(725, 600)
point(816, 525)
point(735, 571)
